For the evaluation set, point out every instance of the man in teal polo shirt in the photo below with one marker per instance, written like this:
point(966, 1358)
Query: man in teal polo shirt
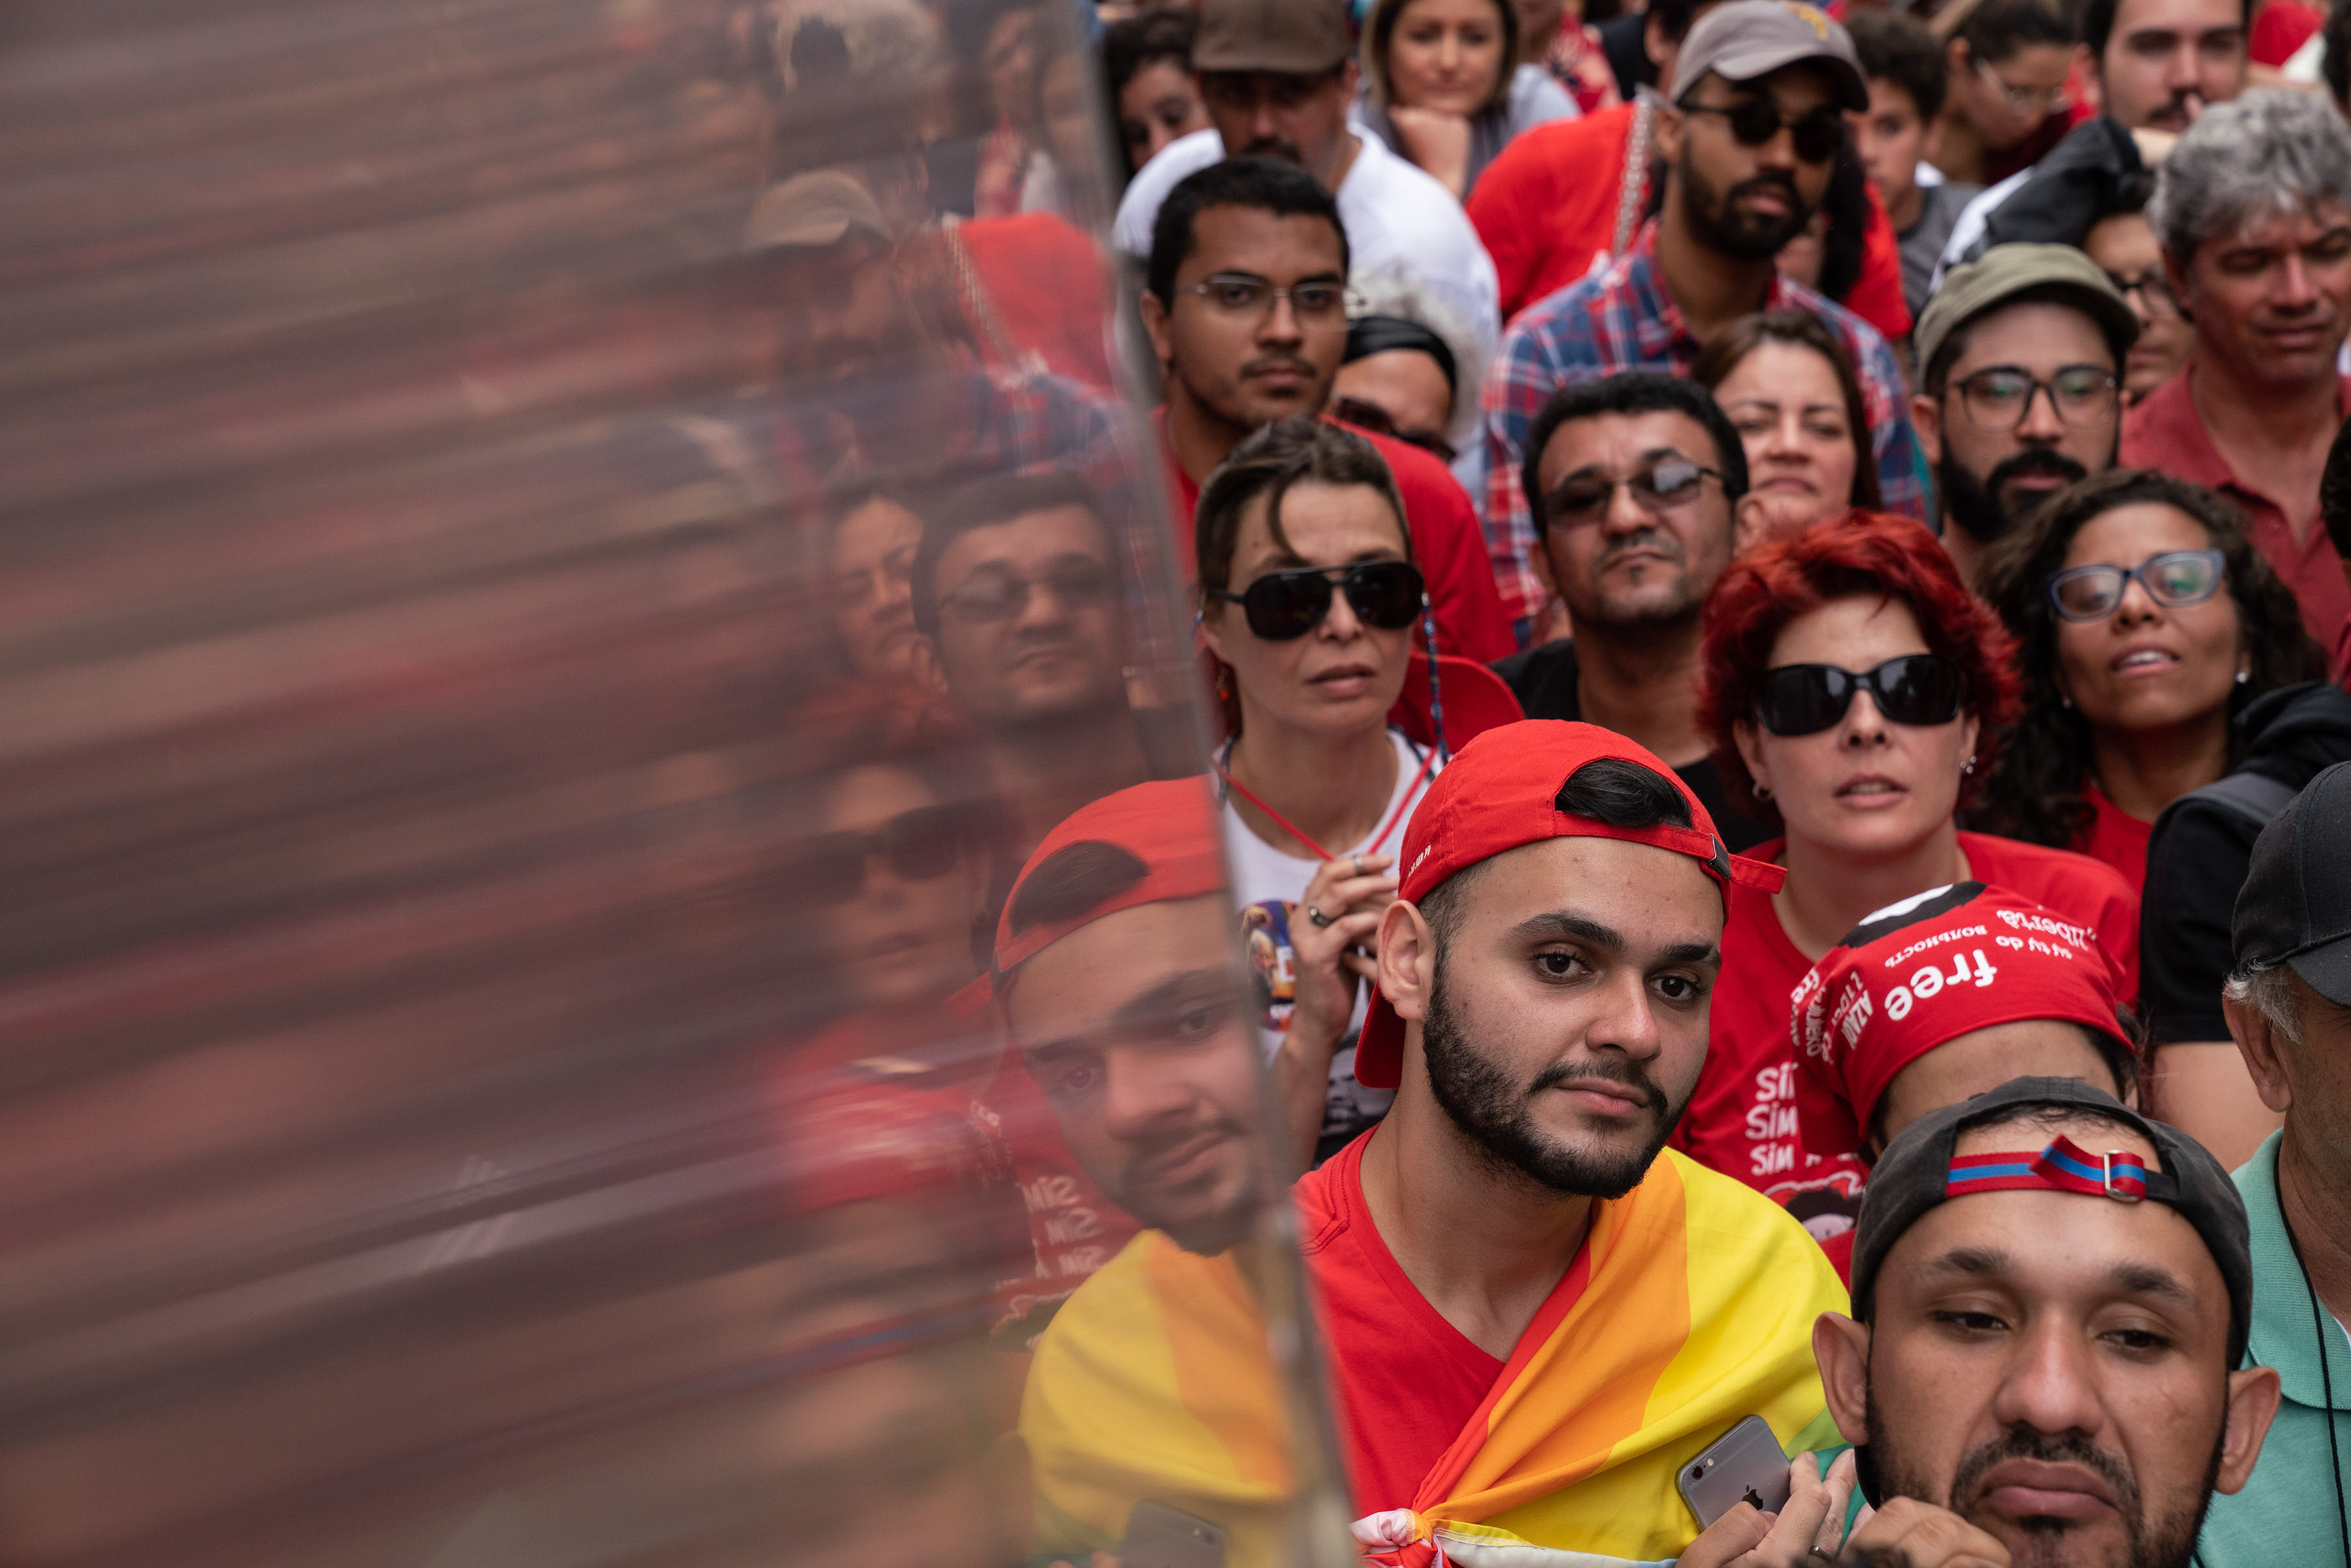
point(2289, 1006)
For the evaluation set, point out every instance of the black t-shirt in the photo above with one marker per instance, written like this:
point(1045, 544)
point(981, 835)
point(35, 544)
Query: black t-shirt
point(1543, 678)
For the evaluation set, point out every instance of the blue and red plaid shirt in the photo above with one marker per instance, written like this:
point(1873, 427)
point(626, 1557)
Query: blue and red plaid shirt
point(1623, 319)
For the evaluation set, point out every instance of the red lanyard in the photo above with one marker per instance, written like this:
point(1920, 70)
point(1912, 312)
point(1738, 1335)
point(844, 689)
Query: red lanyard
point(1428, 761)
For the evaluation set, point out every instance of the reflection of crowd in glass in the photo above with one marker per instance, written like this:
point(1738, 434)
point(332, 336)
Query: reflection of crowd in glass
point(1734, 745)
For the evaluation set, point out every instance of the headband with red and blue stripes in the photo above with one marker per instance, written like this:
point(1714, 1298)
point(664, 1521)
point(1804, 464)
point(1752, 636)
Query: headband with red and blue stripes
point(2062, 1166)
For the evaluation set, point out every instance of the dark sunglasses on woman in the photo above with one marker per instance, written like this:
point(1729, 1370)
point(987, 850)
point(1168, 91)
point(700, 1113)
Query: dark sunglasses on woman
point(1804, 699)
point(1371, 416)
point(917, 846)
point(1280, 605)
point(2173, 579)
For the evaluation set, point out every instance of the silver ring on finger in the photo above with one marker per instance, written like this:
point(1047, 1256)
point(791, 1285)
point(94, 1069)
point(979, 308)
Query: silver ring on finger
point(1359, 865)
point(1317, 916)
point(1823, 1552)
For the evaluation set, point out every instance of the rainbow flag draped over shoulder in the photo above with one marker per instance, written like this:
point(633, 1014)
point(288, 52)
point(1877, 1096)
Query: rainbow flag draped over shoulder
point(1699, 1312)
point(1156, 1381)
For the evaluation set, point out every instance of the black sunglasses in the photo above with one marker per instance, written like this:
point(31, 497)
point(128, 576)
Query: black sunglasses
point(1371, 416)
point(1804, 699)
point(1281, 605)
point(1755, 121)
point(917, 846)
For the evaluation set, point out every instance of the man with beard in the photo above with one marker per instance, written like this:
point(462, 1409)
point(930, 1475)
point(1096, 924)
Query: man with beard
point(2054, 1366)
point(1633, 486)
point(1114, 968)
point(1278, 77)
point(2253, 208)
point(1759, 93)
point(1534, 1317)
point(2022, 354)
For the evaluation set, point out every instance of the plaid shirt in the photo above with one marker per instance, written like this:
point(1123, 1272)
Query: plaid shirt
point(1623, 319)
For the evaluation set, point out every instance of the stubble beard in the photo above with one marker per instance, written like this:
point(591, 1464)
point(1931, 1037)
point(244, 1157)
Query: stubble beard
point(2166, 1543)
point(1492, 1112)
point(1713, 217)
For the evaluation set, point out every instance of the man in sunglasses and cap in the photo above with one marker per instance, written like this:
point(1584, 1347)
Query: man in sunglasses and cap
point(1759, 96)
point(2050, 1299)
point(1245, 306)
point(1534, 1316)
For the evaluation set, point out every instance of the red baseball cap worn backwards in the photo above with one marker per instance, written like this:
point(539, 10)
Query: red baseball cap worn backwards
point(1919, 974)
point(1502, 790)
point(1169, 825)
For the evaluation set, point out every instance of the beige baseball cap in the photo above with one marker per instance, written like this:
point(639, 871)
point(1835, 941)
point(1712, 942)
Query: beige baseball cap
point(815, 209)
point(1295, 37)
point(2007, 270)
point(1748, 38)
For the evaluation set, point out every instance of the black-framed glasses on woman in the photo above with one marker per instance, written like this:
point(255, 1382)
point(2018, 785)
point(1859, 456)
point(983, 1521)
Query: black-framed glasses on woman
point(1661, 485)
point(1914, 689)
point(2022, 98)
point(1997, 397)
point(1319, 302)
point(919, 845)
point(1283, 605)
point(2172, 579)
point(1371, 416)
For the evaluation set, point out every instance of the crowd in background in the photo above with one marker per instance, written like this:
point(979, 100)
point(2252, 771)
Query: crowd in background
point(1881, 464)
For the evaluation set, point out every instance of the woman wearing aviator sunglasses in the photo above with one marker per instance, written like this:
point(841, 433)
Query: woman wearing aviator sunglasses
point(1309, 597)
point(1854, 687)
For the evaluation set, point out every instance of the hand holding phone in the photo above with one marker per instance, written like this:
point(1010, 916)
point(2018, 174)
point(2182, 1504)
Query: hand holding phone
point(1744, 1465)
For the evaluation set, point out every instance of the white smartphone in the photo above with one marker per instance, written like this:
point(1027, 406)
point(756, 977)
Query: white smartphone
point(1744, 1465)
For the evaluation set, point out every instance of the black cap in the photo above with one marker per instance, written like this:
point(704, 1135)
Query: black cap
point(2295, 907)
point(1909, 1179)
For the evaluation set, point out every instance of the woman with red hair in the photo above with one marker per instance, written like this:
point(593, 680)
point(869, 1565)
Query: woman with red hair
point(1854, 688)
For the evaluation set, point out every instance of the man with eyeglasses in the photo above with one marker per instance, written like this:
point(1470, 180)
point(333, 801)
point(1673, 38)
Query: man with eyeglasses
point(1017, 598)
point(2123, 245)
point(2021, 387)
point(2159, 64)
point(1759, 93)
point(1634, 480)
point(2253, 208)
point(1245, 304)
point(1278, 77)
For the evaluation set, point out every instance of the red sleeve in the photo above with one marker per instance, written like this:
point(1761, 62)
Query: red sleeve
point(1877, 294)
point(1548, 205)
point(1451, 549)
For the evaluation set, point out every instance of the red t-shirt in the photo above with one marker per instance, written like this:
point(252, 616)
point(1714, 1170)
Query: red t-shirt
point(1046, 288)
point(1446, 542)
point(1742, 1119)
point(1547, 205)
point(1407, 1381)
point(2116, 837)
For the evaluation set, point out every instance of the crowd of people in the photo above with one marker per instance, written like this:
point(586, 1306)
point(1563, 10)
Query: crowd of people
point(1770, 589)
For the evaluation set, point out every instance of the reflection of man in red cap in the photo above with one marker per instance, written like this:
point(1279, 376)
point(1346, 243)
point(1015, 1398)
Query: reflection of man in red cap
point(1114, 965)
point(1536, 1318)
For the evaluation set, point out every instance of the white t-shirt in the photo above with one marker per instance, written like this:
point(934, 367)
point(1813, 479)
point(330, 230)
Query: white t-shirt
point(1266, 885)
point(1399, 219)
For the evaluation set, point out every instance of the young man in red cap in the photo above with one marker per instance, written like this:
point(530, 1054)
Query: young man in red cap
point(2062, 1370)
point(1534, 1317)
point(1933, 1001)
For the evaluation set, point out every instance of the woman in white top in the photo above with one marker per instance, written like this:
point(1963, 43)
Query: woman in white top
point(1309, 599)
point(1443, 89)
